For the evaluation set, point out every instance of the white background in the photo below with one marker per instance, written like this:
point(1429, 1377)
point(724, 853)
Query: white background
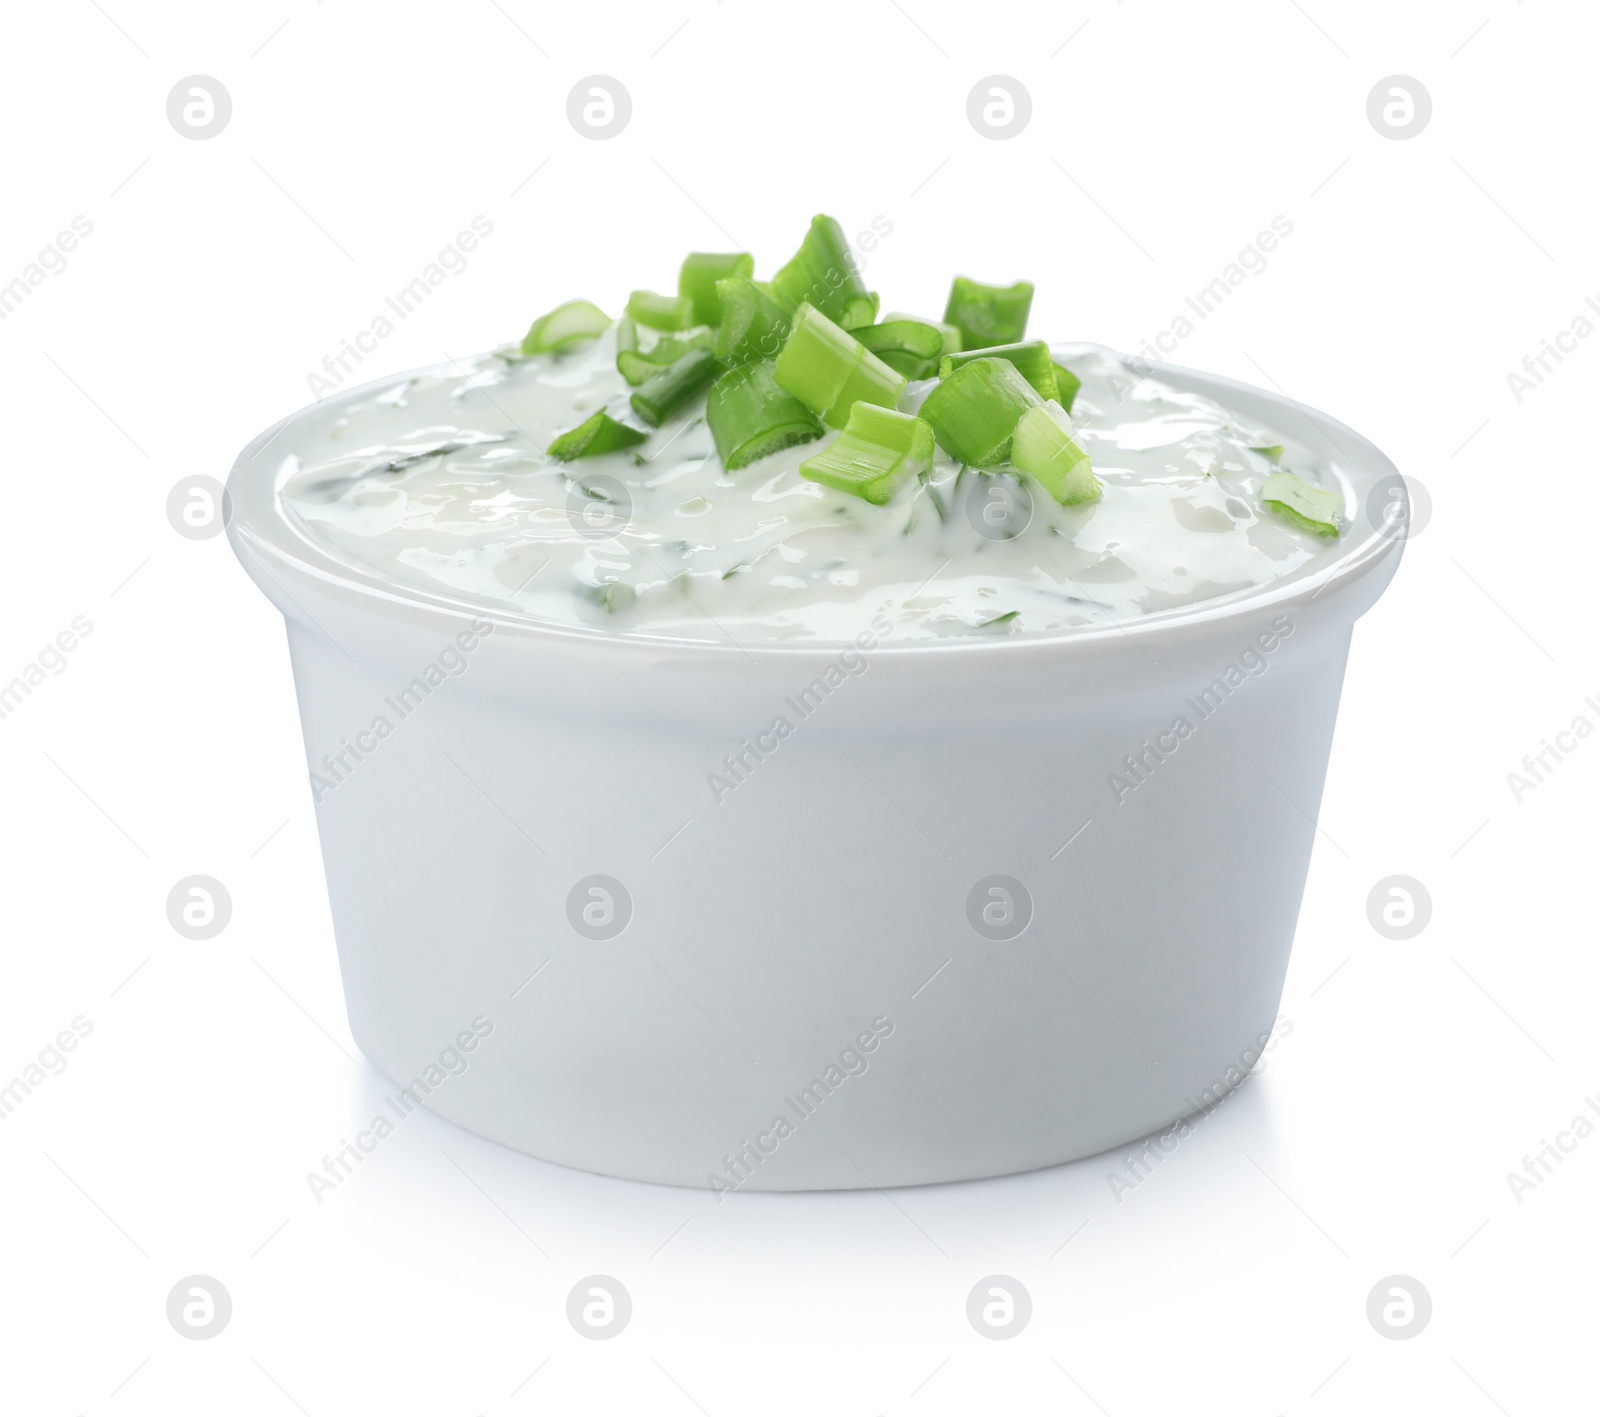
point(1163, 137)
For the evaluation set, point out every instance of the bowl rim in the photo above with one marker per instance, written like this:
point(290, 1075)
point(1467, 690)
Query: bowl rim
point(266, 541)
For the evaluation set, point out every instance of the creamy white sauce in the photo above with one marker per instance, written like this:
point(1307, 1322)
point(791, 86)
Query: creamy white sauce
point(442, 483)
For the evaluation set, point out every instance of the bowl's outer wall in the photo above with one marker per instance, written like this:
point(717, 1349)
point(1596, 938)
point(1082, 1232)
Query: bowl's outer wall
point(820, 894)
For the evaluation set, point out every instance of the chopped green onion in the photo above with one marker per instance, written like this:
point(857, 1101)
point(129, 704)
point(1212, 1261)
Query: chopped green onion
point(910, 347)
point(857, 316)
point(1043, 448)
point(988, 314)
point(698, 277)
point(823, 274)
point(1271, 454)
point(753, 326)
point(637, 364)
point(664, 394)
point(1067, 386)
point(1308, 508)
point(829, 369)
point(975, 411)
point(600, 433)
point(662, 312)
point(952, 336)
point(640, 366)
point(878, 451)
point(1032, 361)
point(610, 597)
point(565, 326)
point(750, 416)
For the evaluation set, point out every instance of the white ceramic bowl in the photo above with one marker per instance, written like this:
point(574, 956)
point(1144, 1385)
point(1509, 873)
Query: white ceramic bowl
point(807, 992)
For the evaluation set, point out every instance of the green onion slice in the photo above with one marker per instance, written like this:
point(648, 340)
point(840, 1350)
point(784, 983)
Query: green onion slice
point(600, 433)
point(750, 416)
point(698, 277)
point(988, 314)
point(974, 412)
point(637, 363)
point(823, 274)
point(1067, 386)
point(661, 312)
point(952, 336)
point(829, 370)
point(1043, 448)
point(1309, 508)
point(879, 450)
point(640, 366)
point(565, 326)
point(665, 393)
point(857, 316)
point(911, 347)
point(1271, 454)
point(1032, 360)
point(753, 326)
